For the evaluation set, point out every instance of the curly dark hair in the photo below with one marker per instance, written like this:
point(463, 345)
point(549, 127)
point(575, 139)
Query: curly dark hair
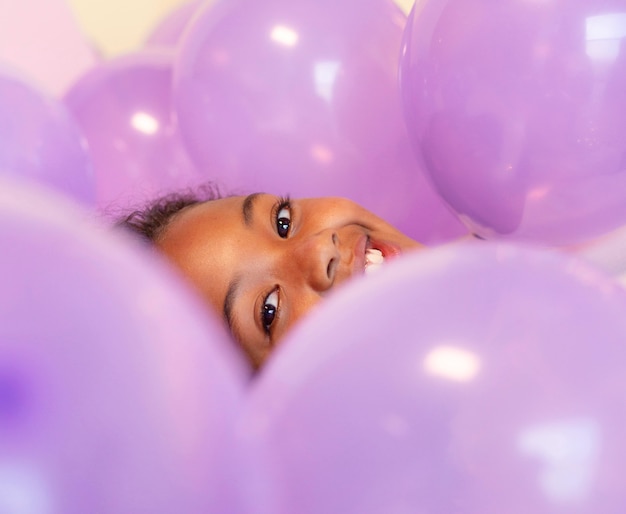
point(149, 222)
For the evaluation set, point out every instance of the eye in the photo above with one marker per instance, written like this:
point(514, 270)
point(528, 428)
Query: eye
point(283, 217)
point(269, 310)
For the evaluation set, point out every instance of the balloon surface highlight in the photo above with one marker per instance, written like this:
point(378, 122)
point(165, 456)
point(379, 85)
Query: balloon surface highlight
point(479, 379)
point(519, 113)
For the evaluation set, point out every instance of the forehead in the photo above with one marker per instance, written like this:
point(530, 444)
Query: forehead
point(203, 241)
point(201, 216)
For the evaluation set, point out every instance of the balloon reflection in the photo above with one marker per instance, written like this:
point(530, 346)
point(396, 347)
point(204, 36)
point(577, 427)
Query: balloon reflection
point(284, 35)
point(604, 34)
point(325, 73)
point(569, 451)
point(322, 154)
point(452, 363)
point(145, 123)
point(23, 489)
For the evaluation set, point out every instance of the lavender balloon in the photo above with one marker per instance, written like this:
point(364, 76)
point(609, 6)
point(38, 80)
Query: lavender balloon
point(302, 98)
point(117, 390)
point(168, 33)
point(479, 379)
point(40, 141)
point(124, 108)
point(518, 110)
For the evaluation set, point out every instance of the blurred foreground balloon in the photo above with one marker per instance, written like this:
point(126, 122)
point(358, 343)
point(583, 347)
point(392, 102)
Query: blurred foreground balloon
point(519, 112)
point(40, 141)
point(302, 98)
point(124, 108)
point(117, 391)
point(478, 379)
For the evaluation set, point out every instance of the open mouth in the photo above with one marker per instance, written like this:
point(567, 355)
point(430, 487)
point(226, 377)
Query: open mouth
point(377, 253)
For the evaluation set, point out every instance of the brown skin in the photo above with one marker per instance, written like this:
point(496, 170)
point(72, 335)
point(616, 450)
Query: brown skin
point(275, 263)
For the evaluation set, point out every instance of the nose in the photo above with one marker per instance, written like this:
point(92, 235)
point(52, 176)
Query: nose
point(317, 258)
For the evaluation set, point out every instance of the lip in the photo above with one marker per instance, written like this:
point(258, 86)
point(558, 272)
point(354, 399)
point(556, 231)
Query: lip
point(388, 250)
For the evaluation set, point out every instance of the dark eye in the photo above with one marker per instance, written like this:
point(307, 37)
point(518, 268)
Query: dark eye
point(283, 219)
point(269, 310)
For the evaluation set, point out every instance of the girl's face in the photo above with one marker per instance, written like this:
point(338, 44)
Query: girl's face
point(265, 261)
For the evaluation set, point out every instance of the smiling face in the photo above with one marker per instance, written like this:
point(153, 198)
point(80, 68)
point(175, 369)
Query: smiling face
point(264, 261)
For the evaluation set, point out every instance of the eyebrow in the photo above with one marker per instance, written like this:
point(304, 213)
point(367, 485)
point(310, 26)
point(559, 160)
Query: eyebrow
point(229, 301)
point(248, 207)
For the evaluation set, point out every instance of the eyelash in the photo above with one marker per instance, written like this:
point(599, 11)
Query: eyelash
point(268, 327)
point(284, 202)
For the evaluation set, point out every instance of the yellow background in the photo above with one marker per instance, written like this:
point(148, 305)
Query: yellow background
point(115, 27)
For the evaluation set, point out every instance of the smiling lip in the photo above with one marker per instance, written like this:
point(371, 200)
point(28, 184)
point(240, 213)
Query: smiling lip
point(388, 250)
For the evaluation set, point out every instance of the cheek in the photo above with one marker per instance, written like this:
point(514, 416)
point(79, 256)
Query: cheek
point(210, 286)
point(256, 355)
point(209, 273)
point(302, 305)
point(345, 208)
point(335, 213)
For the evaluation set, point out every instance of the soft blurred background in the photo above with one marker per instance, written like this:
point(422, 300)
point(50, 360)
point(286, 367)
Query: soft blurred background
point(118, 26)
point(476, 377)
point(55, 41)
point(158, 113)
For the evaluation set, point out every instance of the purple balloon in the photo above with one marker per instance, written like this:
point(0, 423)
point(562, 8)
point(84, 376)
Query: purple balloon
point(479, 379)
point(518, 110)
point(124, 108)
point(118, 391)
point(302, 98)
point(40, 141)
point(169, 32)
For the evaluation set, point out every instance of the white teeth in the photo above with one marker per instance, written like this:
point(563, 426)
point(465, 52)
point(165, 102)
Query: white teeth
point(371, 268)
point(373, 260)
point(374, 256)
